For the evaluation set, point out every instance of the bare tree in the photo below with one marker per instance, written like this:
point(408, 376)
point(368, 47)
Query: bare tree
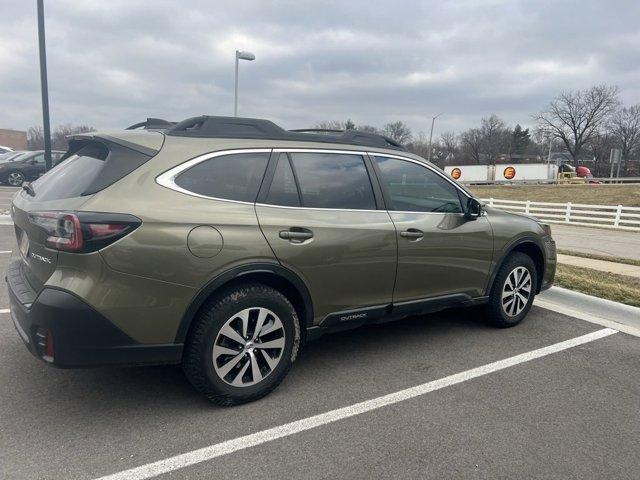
point(576, 117)
point(625, 130)
point(330, 125)
point(599, 147)
point(419, 145)
point(368, 128)
point(471, 142)
point(450, 146)
point(35, 138)
point(60, 134)
point(495, 137)
point(398, 131)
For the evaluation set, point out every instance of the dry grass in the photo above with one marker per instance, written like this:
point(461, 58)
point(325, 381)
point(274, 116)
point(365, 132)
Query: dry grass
point(606, 258)
point(618, 288)
point(627, 195)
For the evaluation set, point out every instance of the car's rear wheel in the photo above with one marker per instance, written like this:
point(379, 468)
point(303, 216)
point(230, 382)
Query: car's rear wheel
point(242, 344)
point(15, 178)
point(513, 291)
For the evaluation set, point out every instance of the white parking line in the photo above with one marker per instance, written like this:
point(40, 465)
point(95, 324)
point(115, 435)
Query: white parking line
point(208, 453)
point(5, 251)
point(4, 310)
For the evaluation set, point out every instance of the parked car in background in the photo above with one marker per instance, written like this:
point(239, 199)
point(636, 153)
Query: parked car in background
point(4, 149)
point(25, 167)
point(8, 156)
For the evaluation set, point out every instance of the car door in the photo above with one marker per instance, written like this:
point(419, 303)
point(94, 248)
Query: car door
point(34, 167)
point(322, 218)
point(441, 252)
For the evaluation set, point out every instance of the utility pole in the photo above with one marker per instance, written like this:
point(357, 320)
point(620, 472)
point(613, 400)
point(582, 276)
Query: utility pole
point(44, 87)
point(433, 120)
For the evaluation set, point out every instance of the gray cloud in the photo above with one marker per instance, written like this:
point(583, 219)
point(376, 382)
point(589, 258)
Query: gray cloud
point(112, 63)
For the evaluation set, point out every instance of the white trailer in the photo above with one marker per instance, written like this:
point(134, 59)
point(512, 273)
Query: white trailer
point(509, 172)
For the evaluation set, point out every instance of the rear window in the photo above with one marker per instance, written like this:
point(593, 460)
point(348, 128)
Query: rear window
point(93, 167)
point(230, 177)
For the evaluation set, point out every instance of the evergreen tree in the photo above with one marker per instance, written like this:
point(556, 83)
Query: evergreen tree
point(520, 139)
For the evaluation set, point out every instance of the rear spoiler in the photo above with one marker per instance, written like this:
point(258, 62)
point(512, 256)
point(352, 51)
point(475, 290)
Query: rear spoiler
point(79, 140)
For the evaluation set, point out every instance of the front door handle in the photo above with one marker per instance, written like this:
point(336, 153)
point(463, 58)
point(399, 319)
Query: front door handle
point(296, 234)
point(412, 234)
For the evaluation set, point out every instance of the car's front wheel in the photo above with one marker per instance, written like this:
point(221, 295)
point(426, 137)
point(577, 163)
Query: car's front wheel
point(513, 291)
point(15, 178)
point(242, 344)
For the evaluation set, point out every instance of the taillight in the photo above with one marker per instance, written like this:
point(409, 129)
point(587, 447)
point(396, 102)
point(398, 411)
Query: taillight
point(82, 232)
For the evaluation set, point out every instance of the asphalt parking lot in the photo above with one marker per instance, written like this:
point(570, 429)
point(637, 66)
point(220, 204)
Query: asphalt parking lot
point(552, 412)
point(6, 194)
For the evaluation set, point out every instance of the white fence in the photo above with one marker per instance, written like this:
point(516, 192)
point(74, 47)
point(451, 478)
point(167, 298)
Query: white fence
point(603, 216)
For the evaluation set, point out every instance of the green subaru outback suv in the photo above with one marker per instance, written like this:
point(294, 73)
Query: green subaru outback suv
point(225, 243)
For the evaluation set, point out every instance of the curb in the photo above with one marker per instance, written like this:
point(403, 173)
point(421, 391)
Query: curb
point(608, 313)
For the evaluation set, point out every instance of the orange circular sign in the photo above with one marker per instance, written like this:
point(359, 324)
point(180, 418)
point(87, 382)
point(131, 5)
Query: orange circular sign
point(456, 173)
point(509, 173)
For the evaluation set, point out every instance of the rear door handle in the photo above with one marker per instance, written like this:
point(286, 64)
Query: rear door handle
point(412, 233)
point(296, 234)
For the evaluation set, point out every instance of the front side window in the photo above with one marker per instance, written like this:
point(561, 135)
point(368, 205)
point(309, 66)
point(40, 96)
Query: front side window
point(231, 177)
point(39, 158)
point(414, 188)
point(333, 180)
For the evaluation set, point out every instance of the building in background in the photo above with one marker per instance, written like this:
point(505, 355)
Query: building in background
point(13, 138)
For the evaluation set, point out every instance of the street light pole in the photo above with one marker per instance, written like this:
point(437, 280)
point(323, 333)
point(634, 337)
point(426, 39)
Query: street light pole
point(240, 55)
point(44, 87)
point(433, 120)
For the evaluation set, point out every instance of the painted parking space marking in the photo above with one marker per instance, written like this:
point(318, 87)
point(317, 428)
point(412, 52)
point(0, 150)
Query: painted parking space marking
point(4, 310)
point(194, 457)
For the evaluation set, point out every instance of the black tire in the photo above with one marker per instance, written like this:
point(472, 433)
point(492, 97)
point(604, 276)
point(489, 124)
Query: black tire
point(496, 310)
point(198, 354)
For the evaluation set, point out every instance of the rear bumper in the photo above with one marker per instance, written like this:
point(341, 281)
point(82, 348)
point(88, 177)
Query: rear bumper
point(81, 337)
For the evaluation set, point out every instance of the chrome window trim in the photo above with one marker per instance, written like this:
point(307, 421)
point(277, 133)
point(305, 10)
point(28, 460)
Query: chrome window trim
point(167, 179)
point(426, 165)
point(321, 208)
point(319, 150)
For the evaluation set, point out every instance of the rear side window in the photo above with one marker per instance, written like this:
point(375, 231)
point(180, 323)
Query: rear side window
point(333, 180)
point(230, 177)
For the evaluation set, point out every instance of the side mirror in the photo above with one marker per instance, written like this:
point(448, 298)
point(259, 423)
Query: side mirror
point(474, 208)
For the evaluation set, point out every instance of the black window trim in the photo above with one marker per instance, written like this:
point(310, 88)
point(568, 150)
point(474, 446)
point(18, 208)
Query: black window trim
point(387, 197)
point(373, 181)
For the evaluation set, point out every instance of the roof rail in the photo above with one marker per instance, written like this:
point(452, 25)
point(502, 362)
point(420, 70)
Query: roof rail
point(152, 124)
point(236, 127)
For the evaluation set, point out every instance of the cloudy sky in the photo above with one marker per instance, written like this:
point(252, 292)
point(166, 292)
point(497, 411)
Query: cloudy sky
point(113, 63)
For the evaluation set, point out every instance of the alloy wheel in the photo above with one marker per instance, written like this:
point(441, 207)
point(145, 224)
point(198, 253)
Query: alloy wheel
point(15, 178)
point(516, 291)
point(248, 347)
